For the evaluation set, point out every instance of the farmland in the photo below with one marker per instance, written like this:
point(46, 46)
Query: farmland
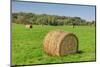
point(27, 44)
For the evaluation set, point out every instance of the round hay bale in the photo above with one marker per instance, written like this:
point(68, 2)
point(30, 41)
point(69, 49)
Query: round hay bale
point(28, 26)
point(59, 43)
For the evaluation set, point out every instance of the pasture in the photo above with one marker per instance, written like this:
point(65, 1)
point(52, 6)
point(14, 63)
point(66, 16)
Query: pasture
point(27, 44)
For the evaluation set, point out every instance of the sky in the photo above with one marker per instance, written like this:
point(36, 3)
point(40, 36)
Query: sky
point(85, 12)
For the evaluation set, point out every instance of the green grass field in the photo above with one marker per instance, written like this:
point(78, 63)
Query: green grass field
point(27, 44)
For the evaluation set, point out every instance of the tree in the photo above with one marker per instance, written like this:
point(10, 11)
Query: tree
point(44, 19)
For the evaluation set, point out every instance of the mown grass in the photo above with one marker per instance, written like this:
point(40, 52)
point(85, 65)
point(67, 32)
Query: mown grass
point(27, 44)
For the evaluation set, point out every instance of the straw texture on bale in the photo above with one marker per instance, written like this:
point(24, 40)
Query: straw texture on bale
point(28, 26)
point(59, 43)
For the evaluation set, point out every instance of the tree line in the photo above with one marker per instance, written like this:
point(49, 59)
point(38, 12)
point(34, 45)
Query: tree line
point(44, 19)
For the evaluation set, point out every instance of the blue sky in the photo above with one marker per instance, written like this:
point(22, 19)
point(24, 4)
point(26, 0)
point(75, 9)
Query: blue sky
point(85, 12)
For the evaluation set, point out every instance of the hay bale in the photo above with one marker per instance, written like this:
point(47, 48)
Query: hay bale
point(58, 43)
point(28, 26)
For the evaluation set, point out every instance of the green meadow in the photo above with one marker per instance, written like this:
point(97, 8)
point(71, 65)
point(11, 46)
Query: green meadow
point(27, 44)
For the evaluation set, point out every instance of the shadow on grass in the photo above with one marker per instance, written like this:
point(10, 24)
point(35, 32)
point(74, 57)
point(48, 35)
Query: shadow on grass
point(80, 52)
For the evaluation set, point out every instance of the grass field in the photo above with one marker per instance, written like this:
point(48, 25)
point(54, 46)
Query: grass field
point(27, 44)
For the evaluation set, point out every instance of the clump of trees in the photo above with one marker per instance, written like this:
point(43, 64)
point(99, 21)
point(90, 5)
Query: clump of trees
point(44, 19)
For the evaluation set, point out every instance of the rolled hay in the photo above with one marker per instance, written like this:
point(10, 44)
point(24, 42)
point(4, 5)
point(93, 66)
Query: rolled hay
point(28, 26)
point(59, 43)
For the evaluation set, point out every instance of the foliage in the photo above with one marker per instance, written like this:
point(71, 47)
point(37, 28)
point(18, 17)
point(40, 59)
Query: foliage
point(44, 19)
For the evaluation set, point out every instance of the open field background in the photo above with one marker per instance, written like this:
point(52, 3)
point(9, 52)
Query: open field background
point(27, 44)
